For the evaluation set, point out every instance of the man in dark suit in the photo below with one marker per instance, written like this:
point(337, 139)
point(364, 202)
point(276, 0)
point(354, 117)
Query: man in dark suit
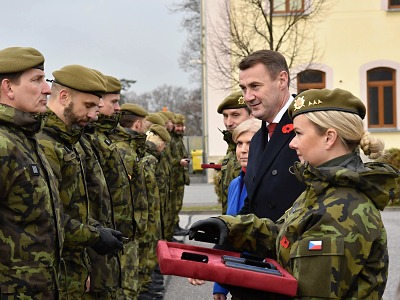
point(271, 185)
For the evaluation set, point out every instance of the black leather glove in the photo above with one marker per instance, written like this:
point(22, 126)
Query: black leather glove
point(211, 230)
point(110, 242)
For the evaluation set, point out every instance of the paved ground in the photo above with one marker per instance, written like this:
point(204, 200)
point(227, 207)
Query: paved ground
point(198, 194)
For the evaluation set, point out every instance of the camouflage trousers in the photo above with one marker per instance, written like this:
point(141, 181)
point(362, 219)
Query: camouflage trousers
point(29, 295)
point(74, 274)
point(129, 271)
point(179, 193)
point(147, 262)
point(104, 275)
point(102, 295)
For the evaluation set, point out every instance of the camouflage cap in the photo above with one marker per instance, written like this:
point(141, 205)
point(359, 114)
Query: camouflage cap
point(161, 132)
point(234, 100)
point(82, 79)
point(113, 85)
point(324, 99)
point(164, 117)
point(155, 119)
point(18, 59)
point(130, 108)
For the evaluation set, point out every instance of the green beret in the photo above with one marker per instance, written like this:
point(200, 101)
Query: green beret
point(164, 117)
point(168, 114)
point(81, 79)
point(130, 108)
point(155, 119)
point(113, 85)
point(234, 100)
point(179, 119)
point(18, 59)
point(161, 132)
point(324, 99)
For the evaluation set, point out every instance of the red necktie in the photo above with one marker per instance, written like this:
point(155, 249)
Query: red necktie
point(271, 128)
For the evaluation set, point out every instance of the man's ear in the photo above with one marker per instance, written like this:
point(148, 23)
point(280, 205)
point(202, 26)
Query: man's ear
point(283, 79)
point(65, 96)
point(330, 138)
point(6, 87)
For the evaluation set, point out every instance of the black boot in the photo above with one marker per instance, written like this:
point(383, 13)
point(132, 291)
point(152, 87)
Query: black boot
point(155, 288)
point(150, 296)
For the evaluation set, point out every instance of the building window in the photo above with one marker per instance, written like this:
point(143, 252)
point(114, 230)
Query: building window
point(310, 79)
point(394, 4)
point(381, 97)
point(288, 6)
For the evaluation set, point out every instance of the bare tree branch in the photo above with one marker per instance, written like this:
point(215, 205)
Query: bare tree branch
point(252, 25)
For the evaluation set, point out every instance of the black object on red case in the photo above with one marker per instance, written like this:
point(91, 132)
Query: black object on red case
point(252, 268)
point(194, 257)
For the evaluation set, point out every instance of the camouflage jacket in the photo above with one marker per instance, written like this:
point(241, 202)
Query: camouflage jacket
point(162, 173)
point(32, 222)
point(129, 144)
point(60, 147)
point(332, 240)
point(105, 269)
point(116, 175)
point(180, 174)
point(165, 164)
point(152, 174)
point(230, 169)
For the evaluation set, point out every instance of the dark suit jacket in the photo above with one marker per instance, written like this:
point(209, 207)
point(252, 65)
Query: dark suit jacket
point(271, 187)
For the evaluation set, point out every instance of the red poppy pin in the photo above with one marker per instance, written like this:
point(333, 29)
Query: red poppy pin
point(284, 242)
point(287, 128)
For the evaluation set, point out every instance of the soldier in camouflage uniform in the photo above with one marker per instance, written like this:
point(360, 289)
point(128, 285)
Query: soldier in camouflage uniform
point(167, 203)
point(76, 94)
point(130, 139)
point(105, 279)
point(332, 240)
point(180, 172)
point(118, 181)
point(234, 110)
point(155, 176)
point(31, 227)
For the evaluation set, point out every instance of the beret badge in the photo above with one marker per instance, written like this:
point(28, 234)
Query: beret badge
point(241, 100)
point(299, 103)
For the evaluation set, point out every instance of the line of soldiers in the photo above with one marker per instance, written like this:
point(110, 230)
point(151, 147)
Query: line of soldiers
point(88, 187)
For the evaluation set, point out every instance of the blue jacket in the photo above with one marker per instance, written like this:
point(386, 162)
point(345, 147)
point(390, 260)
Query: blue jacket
point(236, 194)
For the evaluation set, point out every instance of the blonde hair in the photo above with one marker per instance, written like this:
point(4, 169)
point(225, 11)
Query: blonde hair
point(350, 130)
point(154, 138)
point(250, 125)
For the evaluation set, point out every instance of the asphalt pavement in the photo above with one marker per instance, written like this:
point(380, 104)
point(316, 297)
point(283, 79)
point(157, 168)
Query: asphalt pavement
point(198, 194)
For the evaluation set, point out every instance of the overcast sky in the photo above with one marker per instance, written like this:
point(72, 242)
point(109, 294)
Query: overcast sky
point(132, 39)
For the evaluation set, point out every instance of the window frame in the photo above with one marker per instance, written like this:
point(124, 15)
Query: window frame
point(381, 84)
point(287, 10)
point(393, 6)
point(312, 85)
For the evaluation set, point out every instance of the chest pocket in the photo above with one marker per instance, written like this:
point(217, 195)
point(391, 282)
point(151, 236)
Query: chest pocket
point(316, 263)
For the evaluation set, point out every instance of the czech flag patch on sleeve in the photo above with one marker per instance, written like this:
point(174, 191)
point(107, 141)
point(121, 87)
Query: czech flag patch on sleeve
point(314, 245)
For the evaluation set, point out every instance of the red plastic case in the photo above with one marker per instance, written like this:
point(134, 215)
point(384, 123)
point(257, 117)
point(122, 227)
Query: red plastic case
point(211, 166)
point(169, 258)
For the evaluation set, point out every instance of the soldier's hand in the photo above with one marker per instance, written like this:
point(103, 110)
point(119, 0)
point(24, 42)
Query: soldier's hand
point(184, 162)
point(211, 230)
point(110, 242)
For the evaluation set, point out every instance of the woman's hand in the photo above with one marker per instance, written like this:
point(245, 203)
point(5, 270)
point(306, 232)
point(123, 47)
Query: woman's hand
point(194, 281)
